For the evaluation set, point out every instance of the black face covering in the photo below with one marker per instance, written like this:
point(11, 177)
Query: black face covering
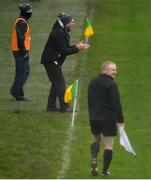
point(27, 15)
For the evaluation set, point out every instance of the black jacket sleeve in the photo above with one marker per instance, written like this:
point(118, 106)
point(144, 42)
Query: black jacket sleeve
point(63, 44)
point(21, 28)
point(116, 103)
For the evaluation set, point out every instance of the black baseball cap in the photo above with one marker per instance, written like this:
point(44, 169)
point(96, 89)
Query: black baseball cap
point(24, 8)
point(65, 18)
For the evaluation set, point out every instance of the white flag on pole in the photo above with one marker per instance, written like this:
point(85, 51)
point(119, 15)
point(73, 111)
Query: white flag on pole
point(124, 141)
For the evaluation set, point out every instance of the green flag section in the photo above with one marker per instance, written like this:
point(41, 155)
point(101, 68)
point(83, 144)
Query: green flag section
point(88, 30)
point(70, 92)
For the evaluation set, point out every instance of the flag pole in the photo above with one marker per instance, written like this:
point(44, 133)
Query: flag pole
point(86, 39)
point(74, 106)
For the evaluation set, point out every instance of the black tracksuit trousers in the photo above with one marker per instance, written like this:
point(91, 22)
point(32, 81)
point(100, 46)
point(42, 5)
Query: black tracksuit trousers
point(56, 77)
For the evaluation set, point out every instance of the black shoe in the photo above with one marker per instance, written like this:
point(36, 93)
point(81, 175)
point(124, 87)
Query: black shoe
point(63, 110)
point(12, 93)
point(105, 174)
point(22, 98)
point(68, 109)
point(94, 168)
point(55, 109)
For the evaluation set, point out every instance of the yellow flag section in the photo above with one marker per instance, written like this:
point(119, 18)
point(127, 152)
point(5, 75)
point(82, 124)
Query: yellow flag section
point(71, 92)
point(88, 29)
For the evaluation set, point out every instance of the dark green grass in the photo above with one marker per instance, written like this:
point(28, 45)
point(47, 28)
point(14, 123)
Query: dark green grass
point(32, 141)
point(122, 34)
point(29, 144)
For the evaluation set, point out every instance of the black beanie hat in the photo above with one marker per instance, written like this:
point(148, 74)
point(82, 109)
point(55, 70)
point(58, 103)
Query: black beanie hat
point(65, 18)
point(24, 8)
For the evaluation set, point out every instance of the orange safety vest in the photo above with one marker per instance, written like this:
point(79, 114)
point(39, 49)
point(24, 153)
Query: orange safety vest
point(14, 37)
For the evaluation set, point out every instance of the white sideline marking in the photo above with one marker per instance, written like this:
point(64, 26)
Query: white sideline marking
point(66, 153)
point(70, 133)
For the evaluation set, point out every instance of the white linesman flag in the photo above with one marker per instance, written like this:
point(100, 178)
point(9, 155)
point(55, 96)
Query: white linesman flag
point(124, 141)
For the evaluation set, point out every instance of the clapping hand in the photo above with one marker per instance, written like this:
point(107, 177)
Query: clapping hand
point(82, 45)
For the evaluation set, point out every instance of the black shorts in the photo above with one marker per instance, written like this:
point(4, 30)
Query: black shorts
point(107, 128)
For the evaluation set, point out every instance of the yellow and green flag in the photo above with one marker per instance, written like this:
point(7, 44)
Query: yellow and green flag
point(88, 30)
point(71, 92)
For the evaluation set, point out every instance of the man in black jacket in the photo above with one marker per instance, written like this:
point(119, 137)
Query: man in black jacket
point(54, 54)
point(105, 114)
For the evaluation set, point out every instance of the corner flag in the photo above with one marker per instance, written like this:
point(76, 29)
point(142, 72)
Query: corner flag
point(70, 92)
point(88, 30)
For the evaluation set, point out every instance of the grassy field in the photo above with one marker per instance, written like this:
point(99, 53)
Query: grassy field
point(36, 144)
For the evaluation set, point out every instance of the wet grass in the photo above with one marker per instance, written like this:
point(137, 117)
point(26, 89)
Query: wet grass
point(32, 140)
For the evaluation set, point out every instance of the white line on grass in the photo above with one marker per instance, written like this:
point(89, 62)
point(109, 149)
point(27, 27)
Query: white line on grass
point(66, 153)
point(70, 134)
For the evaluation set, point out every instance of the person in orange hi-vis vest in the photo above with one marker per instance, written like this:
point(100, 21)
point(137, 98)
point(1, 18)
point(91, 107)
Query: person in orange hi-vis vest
point(20, 49)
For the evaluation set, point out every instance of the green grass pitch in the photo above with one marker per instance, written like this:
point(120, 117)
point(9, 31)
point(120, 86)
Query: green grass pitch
point(37, 144)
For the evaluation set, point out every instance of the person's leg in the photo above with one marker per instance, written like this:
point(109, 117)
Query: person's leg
point(11, 91)
point(96, 129)
point(17, 85)
point(25, 74)
point(51, 104)
point(59, 84)
point(52, 75)
point(55, 75)
point(108, 153)
point(12, 88)
point(61, 92)
point(95, 146)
